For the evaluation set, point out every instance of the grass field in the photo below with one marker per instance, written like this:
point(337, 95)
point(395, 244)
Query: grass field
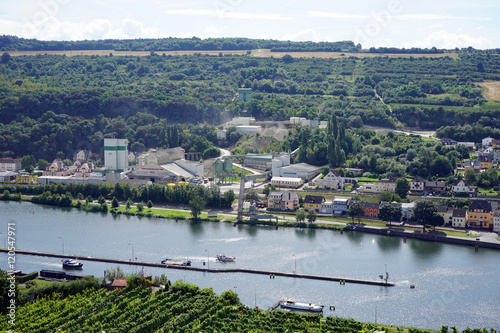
point(268, 53)
point(491, 90)
point(256, 53)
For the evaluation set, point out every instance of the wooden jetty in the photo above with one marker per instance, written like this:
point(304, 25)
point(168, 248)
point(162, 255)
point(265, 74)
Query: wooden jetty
point(342, 280)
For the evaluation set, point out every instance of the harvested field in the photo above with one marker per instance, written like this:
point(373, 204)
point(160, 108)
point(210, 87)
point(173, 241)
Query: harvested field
point(70, 53)
point(268, 53)
point(491, 90)
point(256, 53)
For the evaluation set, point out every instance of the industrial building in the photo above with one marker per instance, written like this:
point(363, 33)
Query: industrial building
point(116, 154)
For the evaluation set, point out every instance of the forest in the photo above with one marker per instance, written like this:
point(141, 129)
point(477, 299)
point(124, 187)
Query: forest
point(53, 105)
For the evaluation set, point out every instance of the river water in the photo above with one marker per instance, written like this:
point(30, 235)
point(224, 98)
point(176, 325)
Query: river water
point(454, 284)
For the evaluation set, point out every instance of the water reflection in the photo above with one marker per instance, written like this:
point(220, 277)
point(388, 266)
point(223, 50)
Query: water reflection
point(306, 233)
point(251, 230)
point(355, 237)
point(425, 250)
point(388, 244)
point(196, 228)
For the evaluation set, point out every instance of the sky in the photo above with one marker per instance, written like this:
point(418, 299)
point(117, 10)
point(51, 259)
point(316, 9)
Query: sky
point(373, 23)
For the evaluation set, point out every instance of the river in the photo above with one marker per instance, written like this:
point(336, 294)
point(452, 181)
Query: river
point(454, 284)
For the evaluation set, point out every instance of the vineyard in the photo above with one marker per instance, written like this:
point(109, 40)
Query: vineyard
point(185, 308)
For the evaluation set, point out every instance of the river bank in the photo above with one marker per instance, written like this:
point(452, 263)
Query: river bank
point(206, 216)
point(443, 274)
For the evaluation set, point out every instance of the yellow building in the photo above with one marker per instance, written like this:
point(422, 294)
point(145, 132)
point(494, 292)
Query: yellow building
point(313, 202)
point(480, 214)
point(26, 179)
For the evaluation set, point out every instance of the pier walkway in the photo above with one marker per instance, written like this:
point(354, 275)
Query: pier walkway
point(210, 270)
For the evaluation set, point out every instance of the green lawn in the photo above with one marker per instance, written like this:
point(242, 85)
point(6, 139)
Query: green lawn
point(165, 213)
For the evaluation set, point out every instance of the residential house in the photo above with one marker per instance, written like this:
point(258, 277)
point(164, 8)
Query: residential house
point(490, 142)
point(459, 218)
point(447, 142)
point(289, 201)
point(407, 210)
point(313, 202)
point(85, 169)
point(462, 188)
point(434, 187)
point(471, 146)
point(274, 200)
point(326, 207)
point(472, 165)
point(447, 214)
point(496, 221)
point(480, 214)
point(333, 180)
point(81, 156)
point(485, 160)
point(371, 209)
point(487, 142)
point(417, 184)
point(341, 205)
point(10, 164)
point(56, 167)
point(380, 186)
point(494, 152)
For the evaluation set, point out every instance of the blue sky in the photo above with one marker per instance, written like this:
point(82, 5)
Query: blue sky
point(399, 23)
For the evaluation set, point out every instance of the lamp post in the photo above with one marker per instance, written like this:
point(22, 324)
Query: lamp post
point(208, 258)
point(132, 250)
point(62, 240)
point(295, 261)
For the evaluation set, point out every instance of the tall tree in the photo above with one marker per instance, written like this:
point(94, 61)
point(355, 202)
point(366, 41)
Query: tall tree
point(424, 212)
point(28, 163)
point(402, 187)
point(197, 204)
point(356, 210)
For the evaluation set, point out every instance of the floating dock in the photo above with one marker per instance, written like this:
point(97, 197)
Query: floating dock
point(343, 280)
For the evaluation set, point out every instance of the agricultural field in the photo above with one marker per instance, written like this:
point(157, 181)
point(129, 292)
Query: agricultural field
point(491, 90)
point(336, 55)
point(183, 308)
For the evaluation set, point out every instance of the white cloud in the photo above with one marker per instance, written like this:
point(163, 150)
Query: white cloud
point(340, 16)
point(304, 35)
point(53, 29)
point(227, 14)
point(448, 40)
point(212, 30)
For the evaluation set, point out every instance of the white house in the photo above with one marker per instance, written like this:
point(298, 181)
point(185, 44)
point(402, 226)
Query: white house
point(459, 218)
point(463, 187)
point(407, 210)
point(487, 142)
point(334, 180)
point(496, 221)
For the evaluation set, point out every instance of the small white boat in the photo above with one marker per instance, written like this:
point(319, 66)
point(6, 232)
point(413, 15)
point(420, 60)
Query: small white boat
point(71, 263)
point(224, 258)
point(176, 262)
point(293, 305)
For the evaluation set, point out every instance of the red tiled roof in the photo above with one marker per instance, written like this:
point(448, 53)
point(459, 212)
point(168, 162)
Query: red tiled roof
point(119, 283)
